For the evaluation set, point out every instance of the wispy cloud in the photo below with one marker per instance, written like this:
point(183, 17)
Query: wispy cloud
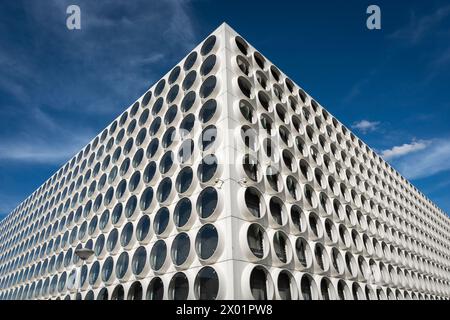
point(365, 125)
point(420, 27)
point(75, 76)
point(420, 159)
point(403, 150)
point(428, 162)
point(53, 144)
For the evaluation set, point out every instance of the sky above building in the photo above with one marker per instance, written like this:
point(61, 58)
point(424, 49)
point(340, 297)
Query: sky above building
point(60, 87)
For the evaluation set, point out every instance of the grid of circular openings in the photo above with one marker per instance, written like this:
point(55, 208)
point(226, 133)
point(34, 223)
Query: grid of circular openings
point(88, 162)
point(116, 220)
point(319, 143)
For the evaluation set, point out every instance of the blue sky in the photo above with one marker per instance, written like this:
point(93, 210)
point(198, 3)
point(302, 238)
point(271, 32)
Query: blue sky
point(58, 88)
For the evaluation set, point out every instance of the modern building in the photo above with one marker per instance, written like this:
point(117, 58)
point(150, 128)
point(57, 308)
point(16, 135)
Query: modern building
point(226, 180)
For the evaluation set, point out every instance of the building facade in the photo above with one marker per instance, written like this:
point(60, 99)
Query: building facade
point(226, 180)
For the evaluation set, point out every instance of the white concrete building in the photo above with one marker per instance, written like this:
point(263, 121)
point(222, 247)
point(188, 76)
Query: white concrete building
point(226, 180)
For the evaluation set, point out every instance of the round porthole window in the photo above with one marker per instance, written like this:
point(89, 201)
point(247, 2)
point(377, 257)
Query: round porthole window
point(208, 110)
point(208, 137)
point(164, 190)
point(206, 241)
point(182, 212)
point(181, 247)
point(161, 221)
point(158, 255)
point(208, 45)
point(207, 202)
point(207, 168)
point(206, 284)
point(208, 87)
point(184, 180)
point(208, 65)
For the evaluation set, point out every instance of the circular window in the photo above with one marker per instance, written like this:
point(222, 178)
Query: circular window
point(182, 212)
point(134, 181)
point(137, 159)
point(273, 178)
point(303, 252)
point(208, 45)
point(155, 290)
point(185, 151)
point(170, 115)
point(107, 269)
point(252, 168)
point(207, 168)
point(143, 228)
point(242, 45)
point(184, 180)
point(166, 162)
point(250, 137)
point(158, 255)
point(104, 220)
point(281, 246)
point(117, 214)
point(206, 241)
point(168, 137)
point(146, 199)
point(124, 167)
point(208, 137)
point(164, 189)
point(180, 249)
point(174, 74)
point(149, 172)
point(126, 235)
point(245, 86)
point(260, 60)
point(179, 287)
point(247, 111)
point(187, 125)
point(122, 265)
point(208, 110)
point(278, 210)
point(206, 284)
point(94, 273)
point(130, 207)
point(161, 221)
point(172, 94)
point(207, 202)
point(146, 98)
point(293, 188)
point(208, 65)
point(190, 61)
point(266, 123)
point(260, 283)
point(253, 200)
point(189, 80)
point(243, 65)
point(262, 79)
point(160, 87)
point(256, 240)
point(139, 260)
point(208, 87)
point(99, 245)
point(188, 101)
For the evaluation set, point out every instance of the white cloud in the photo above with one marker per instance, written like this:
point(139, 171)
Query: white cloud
point(420, 159)
point(403, 150)
point(428, 162)
point(365, 125)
